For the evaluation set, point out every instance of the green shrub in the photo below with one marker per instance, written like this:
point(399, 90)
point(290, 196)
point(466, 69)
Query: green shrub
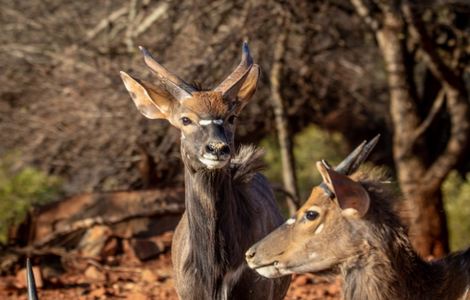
point(21, 189)
point(456, 192)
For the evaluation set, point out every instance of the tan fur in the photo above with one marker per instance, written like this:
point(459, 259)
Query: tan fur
point(372, 252)
point(207, 104)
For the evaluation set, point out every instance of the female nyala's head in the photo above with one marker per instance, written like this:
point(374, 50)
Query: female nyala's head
point(325, 231)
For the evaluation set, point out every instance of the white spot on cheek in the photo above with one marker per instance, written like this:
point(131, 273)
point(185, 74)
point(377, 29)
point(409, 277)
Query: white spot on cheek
point(290, 221)
point(218, 122)
point(312, 255)
point(319, 229)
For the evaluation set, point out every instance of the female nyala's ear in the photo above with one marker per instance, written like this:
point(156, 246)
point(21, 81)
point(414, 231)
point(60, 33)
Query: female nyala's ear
point(151, 101)
point(351, 195)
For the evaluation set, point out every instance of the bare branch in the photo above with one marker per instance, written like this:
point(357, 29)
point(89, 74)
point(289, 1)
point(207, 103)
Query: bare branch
point(103, 24)
point(364, 12)
point(23, 51)
point(282, 125)
point(435, 63)
point(457, 107)
point(436, 106)
point(158, 12)
point(22, 18)
point(130, 26)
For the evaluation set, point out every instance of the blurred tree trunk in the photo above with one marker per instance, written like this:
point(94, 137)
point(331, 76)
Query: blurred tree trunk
point(282, 124)
point(420, 183)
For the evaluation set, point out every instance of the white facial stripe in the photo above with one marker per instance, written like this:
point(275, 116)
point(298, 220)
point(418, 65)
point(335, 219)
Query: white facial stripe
point(205, 122)
point(319, 229)
point(290, 221)
point(208, 122)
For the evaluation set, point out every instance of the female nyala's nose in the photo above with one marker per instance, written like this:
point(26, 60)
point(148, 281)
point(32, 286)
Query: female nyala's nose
point(250, 253)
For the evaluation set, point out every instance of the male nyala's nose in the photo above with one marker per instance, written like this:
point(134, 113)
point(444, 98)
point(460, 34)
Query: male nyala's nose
point(217, 149)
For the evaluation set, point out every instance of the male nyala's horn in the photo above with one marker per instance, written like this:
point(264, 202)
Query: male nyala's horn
point(232, 84)
point(177, 87)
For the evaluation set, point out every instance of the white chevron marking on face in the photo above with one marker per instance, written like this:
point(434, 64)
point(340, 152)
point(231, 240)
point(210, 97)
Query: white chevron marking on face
point(208, 122)
point(290, 221)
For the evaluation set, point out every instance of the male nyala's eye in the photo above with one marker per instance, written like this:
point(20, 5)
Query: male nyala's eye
point(311, 215)
point(186, 121)
point(231, 119)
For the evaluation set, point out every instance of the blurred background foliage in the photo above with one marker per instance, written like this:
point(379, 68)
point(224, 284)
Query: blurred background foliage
point(310, 145)
point(456, 190)
point(21, 190)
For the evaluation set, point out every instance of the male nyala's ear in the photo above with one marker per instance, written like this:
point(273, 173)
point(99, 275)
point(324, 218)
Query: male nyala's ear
point(153, 102)
point(351, 195)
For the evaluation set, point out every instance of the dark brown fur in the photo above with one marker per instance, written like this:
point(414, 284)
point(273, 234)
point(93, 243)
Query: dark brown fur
point(390, 268)
point(226, 211)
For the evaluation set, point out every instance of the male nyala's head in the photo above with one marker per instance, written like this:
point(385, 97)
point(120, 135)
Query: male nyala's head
point(206, 119)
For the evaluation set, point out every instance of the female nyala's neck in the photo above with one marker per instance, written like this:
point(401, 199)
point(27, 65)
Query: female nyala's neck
point(389, 269)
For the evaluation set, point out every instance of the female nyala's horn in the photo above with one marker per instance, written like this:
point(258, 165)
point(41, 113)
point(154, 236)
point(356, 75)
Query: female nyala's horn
point(30, 283)
point(354, 160)
point(177, 87)
point(232, 84)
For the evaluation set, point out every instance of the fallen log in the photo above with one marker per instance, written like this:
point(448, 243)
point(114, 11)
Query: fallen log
point(95, 225)
point(49, 223)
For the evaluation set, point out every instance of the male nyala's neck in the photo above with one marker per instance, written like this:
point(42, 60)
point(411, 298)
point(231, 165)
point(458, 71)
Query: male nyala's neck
point(211, 213)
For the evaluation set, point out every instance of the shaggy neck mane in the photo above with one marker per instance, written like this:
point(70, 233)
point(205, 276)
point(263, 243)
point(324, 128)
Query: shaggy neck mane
point(390, 268)
point(219, 217)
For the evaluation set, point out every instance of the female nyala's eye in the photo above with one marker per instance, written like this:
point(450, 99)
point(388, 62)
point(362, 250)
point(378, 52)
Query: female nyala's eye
point(186, 121)
point(311, 215)
point(231, 119)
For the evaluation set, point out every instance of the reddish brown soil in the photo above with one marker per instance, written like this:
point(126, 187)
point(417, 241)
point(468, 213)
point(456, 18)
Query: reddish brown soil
point(131, 279)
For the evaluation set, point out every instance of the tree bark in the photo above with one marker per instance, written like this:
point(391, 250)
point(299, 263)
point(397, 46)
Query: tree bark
point(282, 126)
point(428, 223)
point(420, 183)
